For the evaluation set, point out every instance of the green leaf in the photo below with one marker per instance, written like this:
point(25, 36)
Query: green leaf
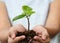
point(27, 10)
point(31, 13)
point(19, 17)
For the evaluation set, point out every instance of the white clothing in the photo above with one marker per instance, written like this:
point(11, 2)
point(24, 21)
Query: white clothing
point(40, 7)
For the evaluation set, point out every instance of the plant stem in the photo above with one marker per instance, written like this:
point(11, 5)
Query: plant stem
point(28, 22)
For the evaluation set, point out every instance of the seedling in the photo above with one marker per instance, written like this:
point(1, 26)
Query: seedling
point(27, 12)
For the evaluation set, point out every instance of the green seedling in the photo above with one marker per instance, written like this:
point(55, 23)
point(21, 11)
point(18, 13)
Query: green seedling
point(27, 12)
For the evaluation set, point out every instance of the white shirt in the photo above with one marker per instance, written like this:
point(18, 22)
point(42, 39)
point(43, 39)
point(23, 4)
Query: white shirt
point(40, 7)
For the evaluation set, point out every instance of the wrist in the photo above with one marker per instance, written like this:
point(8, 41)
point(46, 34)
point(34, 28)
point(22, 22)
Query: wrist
point(4, 36)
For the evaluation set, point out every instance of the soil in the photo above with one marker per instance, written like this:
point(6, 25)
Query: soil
point(29, 36)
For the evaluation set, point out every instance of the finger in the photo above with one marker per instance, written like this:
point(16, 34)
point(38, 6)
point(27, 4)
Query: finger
point(20, 28)
point(37, 38)
point(10, 40)
point(19, 38)
point(44, 35)
point(12, 34)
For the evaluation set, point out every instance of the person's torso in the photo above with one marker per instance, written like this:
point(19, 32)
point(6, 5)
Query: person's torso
point(40, 7)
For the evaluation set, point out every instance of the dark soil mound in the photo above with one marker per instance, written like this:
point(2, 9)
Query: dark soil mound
point(29, 36)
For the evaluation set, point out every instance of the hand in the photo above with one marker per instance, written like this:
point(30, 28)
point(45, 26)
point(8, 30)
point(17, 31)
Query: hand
point(42, 34)
point(12, 34)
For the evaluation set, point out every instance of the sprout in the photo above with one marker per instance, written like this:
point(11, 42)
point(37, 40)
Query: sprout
point(27, 12)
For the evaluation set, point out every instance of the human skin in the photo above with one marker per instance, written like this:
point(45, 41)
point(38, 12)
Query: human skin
point(13, 31)
point(4, 23)
point(52, 22)
point(42, 34)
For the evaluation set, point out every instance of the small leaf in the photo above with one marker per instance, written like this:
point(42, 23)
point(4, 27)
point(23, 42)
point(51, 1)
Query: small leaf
point(27, 10)
point(31, 13)
point(19, 17)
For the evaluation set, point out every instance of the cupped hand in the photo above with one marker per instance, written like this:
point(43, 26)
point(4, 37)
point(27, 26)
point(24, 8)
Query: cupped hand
point(42, 34)
point(12, 34)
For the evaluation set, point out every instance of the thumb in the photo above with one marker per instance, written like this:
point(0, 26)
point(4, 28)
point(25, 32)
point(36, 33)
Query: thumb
point(43, 37)
point(37, 38)
point(13, 36)
point(19, 38)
